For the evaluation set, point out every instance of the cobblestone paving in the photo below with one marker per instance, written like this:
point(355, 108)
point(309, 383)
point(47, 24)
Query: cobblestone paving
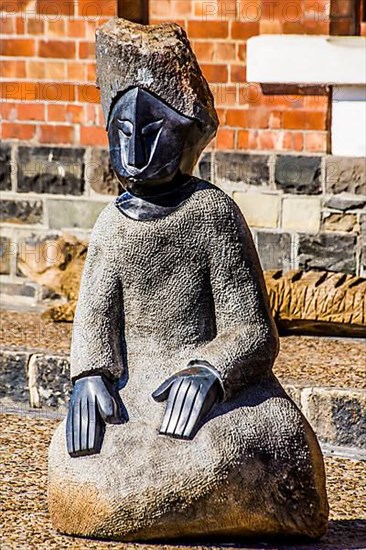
point(305, 359)
point(25, 525)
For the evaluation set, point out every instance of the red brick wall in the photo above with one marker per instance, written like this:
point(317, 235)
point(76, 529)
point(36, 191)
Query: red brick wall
point(48, 69)
point(47, 63)
point(250, 120)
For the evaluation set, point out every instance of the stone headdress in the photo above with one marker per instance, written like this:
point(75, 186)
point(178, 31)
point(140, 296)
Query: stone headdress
point(159, 59)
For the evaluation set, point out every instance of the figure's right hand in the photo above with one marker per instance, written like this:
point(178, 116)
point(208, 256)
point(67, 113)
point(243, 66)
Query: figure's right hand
point(91, 406)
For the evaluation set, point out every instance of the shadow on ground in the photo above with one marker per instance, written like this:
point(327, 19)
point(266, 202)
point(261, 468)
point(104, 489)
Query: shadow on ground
point(341, 535)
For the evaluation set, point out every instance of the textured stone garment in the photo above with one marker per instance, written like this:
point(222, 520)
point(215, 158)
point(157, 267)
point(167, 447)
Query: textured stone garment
point(156, 294)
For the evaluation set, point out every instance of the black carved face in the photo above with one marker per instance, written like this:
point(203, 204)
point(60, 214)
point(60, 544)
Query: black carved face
point(150, 143)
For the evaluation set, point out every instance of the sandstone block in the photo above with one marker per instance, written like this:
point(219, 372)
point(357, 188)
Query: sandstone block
point(339, 222)
point(67, 214)
point(345, 174)
point(259, 209)
point(301, 213)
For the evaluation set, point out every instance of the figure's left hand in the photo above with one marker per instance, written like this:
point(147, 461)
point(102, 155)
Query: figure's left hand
point(191, 394)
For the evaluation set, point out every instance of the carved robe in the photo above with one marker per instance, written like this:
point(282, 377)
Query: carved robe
point(156, 294)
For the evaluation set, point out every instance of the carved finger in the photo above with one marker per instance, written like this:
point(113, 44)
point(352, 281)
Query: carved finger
point(178, 406)
point(70, 430)
point(104, 401)
point(187, 410)
point(99, 431)
point(84, 424)
point(76, 420)
point(170, 405)
point(196, 415)
point(107, 405)
point(92, 423)
point(162, 393)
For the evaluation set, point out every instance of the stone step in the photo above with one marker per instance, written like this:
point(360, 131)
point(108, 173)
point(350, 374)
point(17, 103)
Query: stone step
point(40, 379)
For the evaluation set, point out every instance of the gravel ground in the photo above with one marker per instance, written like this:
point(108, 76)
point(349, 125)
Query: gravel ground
point(303, 359)
point(28, 330)
point(25, 525)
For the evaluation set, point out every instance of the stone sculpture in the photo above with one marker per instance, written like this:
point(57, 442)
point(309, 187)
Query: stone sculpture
point(177, 426)
point(318, 302)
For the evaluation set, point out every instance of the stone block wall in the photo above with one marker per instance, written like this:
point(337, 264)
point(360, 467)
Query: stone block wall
point(47, 191)
point(305, 212)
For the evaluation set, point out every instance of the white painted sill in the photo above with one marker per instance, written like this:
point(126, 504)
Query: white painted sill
point(307, 59)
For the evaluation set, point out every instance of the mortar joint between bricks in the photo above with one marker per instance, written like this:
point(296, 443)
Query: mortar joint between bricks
point(87, 162)
point(14, 167)
point(272, 159)
point(358, 254)
point(14, 257)
point(213, 167)
point(77, 133)
point(294, 250)
point(323, 174)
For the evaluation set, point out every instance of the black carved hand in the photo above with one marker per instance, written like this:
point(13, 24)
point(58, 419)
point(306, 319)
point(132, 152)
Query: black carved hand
point(191, 394)
point(92, 404)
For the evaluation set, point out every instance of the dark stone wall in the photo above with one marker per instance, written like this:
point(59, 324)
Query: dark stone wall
point(241, 168)
point(300, 175)
point(324, 195)
point(305, 212)
point(327, 251)
point(54, 170)
point(5, 167)
point(100, 173)
point(275, 250)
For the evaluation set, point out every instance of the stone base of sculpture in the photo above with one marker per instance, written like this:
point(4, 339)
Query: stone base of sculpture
point(255, 468)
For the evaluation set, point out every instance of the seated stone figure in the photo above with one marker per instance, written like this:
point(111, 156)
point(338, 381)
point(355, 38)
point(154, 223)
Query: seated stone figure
point(176, 426)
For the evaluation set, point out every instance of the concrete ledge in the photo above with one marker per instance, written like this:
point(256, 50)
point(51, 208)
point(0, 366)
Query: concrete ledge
point(305, 59)
point(40, 380)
